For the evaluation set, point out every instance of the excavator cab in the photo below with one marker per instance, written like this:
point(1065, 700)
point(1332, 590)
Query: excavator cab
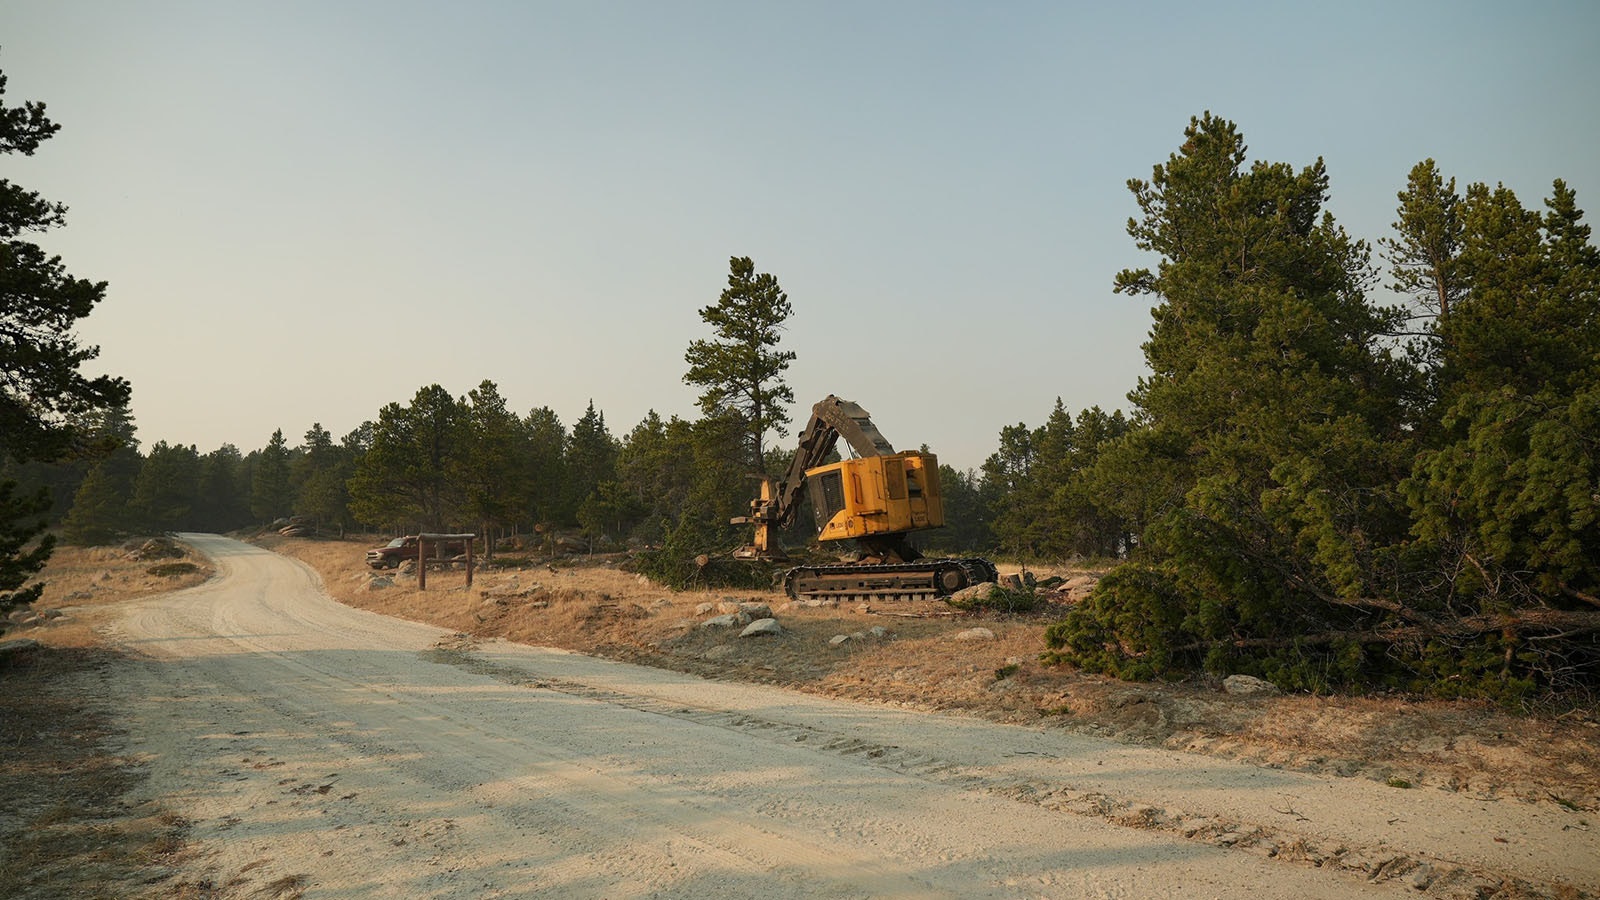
point(876, 495)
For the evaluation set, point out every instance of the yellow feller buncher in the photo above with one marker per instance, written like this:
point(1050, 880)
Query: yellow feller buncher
point(875, 499)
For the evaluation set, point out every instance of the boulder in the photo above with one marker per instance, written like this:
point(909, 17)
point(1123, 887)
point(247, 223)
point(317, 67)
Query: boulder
point(726, 620)
point(977, 593)
point(1249, 686)
point(756, 610)
point(1077, 588)
point(762, 628)
point(378, 583)
point(838, 639)
point(157, 548)
point(975, 634)
point(704, 609)
point(18, 647)
point(511, 589)
point(878, 631)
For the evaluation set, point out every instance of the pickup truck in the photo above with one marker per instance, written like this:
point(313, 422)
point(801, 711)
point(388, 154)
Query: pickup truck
point(390, 555)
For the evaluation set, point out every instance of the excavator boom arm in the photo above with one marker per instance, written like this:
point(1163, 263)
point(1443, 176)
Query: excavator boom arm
point(831, 419)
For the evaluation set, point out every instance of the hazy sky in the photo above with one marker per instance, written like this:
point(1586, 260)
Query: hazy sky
point(306, 210)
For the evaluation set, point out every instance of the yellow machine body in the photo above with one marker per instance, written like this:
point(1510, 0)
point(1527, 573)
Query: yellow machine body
point(876, 495)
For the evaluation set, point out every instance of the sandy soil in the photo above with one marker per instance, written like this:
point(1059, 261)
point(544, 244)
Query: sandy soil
point(314, 749)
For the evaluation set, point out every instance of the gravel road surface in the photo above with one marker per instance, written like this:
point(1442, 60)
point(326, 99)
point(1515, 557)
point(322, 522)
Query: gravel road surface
point(322, 751)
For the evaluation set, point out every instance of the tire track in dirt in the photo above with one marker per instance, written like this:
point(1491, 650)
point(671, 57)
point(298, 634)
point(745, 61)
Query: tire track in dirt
point(1376, 862)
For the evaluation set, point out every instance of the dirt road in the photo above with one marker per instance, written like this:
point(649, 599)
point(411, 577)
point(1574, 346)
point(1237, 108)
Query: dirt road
point(328, 752)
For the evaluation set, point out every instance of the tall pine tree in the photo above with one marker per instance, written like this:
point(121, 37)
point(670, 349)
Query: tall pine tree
point(1269, 435)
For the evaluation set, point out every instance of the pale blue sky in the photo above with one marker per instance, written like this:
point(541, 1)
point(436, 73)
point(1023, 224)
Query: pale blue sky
point(306, 210)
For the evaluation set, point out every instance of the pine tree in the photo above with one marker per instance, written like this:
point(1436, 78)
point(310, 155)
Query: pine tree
point(166, 488)
point(319, 474)
point(741, 372)
point(1425, 254)
point(271, 497)
point(409, 475)
point(1503, 498)
point(493, 470)
point(42, 387)
point(102, 504)
point(591, 457)
point(220, 504)
point(545, 442)
point(1269, 433)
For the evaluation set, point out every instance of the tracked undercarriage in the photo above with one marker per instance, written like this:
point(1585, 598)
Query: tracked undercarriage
point(923, 579)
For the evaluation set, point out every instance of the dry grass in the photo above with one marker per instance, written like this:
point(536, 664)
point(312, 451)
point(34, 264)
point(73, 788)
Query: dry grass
point(64, 825)
point(81, 582)
point(594, 607)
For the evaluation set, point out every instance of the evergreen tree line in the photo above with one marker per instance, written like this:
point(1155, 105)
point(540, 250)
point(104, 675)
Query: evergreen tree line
point(438, 463)
point(444, 463)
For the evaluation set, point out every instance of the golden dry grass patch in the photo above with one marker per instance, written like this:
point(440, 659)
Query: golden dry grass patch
point(84, 583)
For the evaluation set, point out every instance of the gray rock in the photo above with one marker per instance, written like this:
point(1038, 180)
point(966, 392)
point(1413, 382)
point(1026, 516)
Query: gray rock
point(378, 583)
point(17, 647)
point(511, 590)
point(975, 594)
point(704, 608)
point(761, 628)
point(756, 610)
point(1249, 686)
point(975, 634)
point(726, 620)
point(838, 639)
point(878, 631)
